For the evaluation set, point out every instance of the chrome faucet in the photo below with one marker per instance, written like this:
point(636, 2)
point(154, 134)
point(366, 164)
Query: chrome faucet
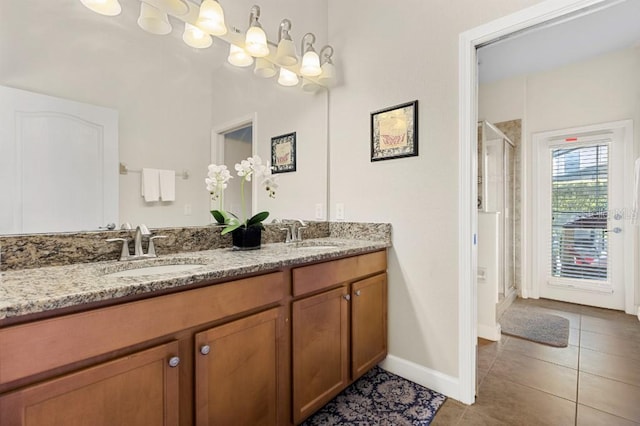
point(138, 253)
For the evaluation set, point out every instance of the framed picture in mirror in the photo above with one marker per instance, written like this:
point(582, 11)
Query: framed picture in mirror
point(283, 153)
point(394, 132)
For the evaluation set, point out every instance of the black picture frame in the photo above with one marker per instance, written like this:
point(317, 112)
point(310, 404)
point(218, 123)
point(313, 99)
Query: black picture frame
point(394, 132)
point(283, 153)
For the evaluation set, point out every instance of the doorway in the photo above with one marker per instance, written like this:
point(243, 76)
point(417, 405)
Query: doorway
point(230, 144)
point(543, 13)
point(237, 147)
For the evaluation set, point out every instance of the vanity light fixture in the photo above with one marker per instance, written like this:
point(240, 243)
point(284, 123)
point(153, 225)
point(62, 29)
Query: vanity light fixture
point(287, 78)
point(205, 21)
point(286, 53)
point(328, 75)
point(153, 20)
point(238, 56)
point(256, 40)
point(103, 7)
point(211, 18)
point(310, 60)
point(195, 37)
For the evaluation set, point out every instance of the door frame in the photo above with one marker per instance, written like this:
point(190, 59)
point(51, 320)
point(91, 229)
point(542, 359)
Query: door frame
point(469, 41)
point(533, 236)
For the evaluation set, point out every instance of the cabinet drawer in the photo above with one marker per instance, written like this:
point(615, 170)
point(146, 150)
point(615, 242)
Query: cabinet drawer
point(312, 278)
point(33, 348)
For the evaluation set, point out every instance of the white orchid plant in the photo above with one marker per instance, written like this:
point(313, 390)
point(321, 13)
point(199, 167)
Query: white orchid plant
point(217, 179)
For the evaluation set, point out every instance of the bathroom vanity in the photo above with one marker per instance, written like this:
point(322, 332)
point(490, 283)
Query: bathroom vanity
point(264, 337)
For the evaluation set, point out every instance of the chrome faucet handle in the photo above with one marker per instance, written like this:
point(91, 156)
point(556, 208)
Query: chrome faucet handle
point(151, 250)
point(124, 253)
point(288, 237)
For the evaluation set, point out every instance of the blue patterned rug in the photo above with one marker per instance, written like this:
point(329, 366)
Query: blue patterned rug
point(380, 398)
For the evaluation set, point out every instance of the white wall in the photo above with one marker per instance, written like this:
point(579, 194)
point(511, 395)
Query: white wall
point(390, 53)
point(603, 89)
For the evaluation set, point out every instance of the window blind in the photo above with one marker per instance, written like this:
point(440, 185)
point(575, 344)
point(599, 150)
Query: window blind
point(579, 194)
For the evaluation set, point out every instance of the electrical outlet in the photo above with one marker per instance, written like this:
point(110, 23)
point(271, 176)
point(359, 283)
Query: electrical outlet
point(340, 211)
point(187, 209)
point(319, 211)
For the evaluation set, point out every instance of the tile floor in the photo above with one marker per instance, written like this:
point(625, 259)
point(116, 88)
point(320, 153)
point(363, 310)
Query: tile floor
point(593, 381)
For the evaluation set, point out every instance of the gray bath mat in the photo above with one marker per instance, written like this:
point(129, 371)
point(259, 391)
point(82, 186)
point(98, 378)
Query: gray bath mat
point(538, 327)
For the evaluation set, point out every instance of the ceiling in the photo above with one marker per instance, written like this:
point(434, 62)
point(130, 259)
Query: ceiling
point(562, 42)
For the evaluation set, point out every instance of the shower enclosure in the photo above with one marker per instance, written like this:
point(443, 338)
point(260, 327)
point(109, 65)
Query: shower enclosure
point(496, 224)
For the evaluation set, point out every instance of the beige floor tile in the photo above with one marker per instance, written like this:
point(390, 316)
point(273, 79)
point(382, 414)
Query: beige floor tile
point(541, 375)
point(574, 337)
point(614, 327)
point(610, 314)
point(449, 414)
point(473, 417)
point(610, 396)
point(610, 344)
point(554, 304)
point(588, 416)
point(567, 357)
point(505, 402)
point(614, 367)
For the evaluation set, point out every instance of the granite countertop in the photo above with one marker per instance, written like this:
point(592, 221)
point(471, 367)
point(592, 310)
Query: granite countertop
point(31, 291)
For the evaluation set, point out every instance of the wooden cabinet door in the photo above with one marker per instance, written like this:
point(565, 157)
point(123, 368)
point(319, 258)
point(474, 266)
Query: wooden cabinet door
point(136, 390)
point(236, 372)
point(368, 324)
point(320, 350)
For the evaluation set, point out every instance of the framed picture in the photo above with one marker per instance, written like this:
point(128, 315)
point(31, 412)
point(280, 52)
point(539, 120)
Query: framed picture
point(283, 153)
point(394, 132)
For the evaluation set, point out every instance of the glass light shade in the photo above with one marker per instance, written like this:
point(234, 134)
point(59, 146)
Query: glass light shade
point(287, 78)
point(286, 53)
point(328, 75)
point(264, 68)
point(211, 18)
point(103, 7)
point(153, 20)
point(310, 64)
point(195, 37)
point(238, 56)
point(256, 42)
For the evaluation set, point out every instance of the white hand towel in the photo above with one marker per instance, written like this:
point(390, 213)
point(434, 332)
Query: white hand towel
point(150, 186)
point(167, 185)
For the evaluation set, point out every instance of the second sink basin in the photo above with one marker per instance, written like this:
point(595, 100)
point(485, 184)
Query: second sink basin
point(154, 270)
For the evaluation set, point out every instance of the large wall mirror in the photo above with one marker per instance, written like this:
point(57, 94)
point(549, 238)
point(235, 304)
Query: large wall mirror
point(171, 99)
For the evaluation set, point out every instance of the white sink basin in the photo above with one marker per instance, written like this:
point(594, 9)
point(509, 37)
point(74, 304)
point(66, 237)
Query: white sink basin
point(154, 270)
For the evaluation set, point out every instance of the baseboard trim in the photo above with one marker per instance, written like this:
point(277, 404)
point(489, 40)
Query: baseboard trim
point(490, 333)
point(432, 379)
